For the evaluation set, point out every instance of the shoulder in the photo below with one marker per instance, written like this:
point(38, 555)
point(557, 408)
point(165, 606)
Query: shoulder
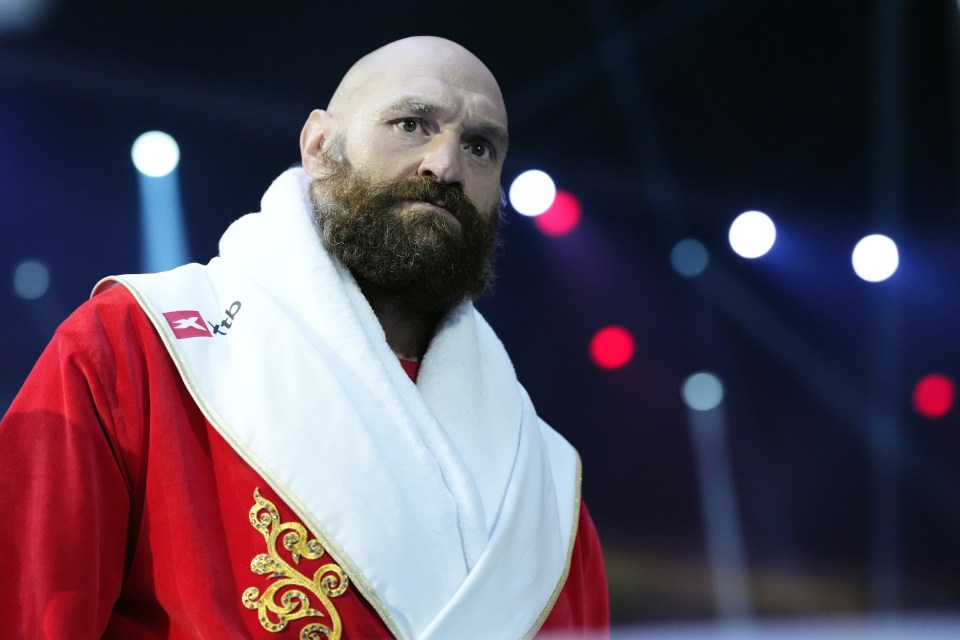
point(104, 326)
point(107, 337)
point(109, 307)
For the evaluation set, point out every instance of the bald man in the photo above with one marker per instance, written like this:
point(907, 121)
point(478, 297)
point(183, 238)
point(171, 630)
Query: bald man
point(314, 435)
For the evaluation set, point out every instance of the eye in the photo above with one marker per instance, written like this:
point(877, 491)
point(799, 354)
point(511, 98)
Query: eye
point(481, 149)
point(410, 125)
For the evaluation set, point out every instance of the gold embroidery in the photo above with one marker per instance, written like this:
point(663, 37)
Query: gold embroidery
point(329, 581)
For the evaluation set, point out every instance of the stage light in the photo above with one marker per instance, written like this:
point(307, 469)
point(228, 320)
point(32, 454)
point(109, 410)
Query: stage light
point(933, 395)
point(561, 217)
point(702, 391)
point(155, 154)
point(31, 279)
point(532, 192)
point(875, 258)
point(689, 257)
point(163, 238)
point(612, 347)
point(752, 234)
point(23, 16)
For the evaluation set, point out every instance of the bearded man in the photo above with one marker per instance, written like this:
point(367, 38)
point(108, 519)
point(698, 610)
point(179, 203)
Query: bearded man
point(314, 435)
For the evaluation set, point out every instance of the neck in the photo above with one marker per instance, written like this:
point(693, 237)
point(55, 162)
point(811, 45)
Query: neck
point(408, 330)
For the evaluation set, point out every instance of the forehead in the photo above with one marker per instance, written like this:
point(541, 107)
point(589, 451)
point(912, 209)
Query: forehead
point(452, 99)
point(445, 97)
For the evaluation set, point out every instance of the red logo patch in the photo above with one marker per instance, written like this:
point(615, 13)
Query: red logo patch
point(187, 324)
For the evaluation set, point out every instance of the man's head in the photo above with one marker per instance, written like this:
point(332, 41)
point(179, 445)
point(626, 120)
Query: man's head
point(406, 162)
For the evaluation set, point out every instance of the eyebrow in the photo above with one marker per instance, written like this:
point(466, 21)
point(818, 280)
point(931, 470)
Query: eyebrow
point(417, 107)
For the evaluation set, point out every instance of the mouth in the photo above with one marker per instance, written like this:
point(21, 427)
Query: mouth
point(436, 206)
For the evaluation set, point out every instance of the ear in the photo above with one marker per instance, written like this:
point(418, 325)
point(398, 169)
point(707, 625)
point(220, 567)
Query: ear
point(318, 128)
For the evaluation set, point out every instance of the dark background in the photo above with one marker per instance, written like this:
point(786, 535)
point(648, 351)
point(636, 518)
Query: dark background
point(667, 119)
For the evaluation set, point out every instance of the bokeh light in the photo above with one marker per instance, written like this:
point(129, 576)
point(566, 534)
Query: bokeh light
point(933, 395)
point(155, 154)
point(31, 279)
point(561, 217)
point(689, 257)
point(532, 192)
point(612, 347)
point(702, 391)
point(875, 258)
point(752, 234)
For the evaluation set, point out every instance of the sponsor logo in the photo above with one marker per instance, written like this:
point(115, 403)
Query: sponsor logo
point(190, 324)
point(187, 324)
point(224, 325)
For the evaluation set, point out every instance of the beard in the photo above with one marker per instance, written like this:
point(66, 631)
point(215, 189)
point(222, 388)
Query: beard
point(415, 255)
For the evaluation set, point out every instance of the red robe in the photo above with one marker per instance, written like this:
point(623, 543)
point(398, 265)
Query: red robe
point(128, 516)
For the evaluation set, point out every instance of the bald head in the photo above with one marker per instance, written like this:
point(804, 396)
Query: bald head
point(417, 56)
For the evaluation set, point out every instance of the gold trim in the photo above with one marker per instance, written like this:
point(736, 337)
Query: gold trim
point(329, 581)
point(566, 569)
point(335, 550)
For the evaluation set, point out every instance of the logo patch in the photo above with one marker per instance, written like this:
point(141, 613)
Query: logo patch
point(187, 324)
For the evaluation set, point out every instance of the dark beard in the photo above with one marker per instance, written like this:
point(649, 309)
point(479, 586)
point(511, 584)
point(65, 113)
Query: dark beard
point(420, 259)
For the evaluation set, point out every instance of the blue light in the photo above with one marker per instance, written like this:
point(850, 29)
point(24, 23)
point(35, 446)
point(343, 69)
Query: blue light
point(689, 257)
point(31, 279)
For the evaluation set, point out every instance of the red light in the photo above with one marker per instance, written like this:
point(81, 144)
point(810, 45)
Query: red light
point(562, 216)
point(611, 347)
point(933, 395)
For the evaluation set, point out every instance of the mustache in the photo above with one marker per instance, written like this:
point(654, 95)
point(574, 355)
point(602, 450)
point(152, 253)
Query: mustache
point(449, 196)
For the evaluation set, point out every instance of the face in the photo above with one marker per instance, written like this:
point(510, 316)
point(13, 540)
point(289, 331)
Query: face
point(406, 162)
point(419, 125)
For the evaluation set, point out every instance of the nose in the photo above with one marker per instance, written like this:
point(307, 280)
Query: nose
point(441, 160)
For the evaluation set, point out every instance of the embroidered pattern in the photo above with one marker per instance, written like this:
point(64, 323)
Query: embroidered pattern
point(292, 587)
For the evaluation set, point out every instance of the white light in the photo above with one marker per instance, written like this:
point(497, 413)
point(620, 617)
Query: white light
point(702, 391)
point(875, 258)
point(155, 154)
point(31, 279)
point(689, 257)
point(752, 234)
point(532, 192)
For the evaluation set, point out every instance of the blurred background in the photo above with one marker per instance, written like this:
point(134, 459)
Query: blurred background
point(765, 438)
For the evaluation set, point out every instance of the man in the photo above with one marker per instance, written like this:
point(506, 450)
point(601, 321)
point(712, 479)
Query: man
point(315, 435)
